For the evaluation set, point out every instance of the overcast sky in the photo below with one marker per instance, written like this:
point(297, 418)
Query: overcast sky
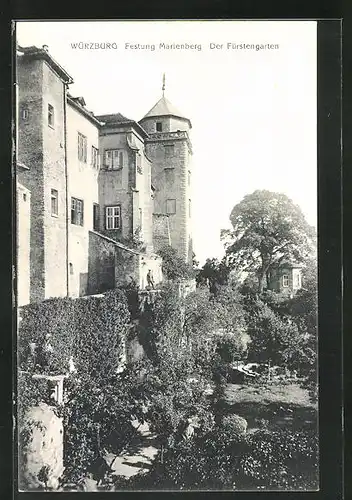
point(253, 111)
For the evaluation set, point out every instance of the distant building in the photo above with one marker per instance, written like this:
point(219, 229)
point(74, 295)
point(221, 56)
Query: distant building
point(285, 278)
point(104, 193)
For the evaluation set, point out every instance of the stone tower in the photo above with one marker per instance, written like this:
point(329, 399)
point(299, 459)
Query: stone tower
point(169, 147)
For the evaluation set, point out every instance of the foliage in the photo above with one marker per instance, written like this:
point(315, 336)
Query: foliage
point(273, 338)
point(214, 273)
point(173, 266)
point(91, 331)
point(53, 331)
point(268, 228)
point(99, 417)
point(281, 459)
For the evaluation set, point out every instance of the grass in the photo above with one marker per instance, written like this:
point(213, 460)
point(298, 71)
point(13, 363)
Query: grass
point(288, 394)
point(287, 405)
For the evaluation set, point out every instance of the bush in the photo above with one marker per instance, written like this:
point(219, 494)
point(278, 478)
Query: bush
point(52, 331)
point(280, 459)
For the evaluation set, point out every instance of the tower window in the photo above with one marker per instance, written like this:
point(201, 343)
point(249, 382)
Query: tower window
point(82, 147)
point(159, 127)
point(189, 178)
point(95, 157)
point(54, 203)
point(285, 280)
point(76, 211)
point(95, 216)
point(24, 113)
point(171, 206)
point(169, 150)
point(51, 117)
point(113, 159)
point(169, 175)
point(113, 217)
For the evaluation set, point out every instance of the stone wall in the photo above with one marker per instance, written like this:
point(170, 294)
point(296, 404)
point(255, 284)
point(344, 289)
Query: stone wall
point(161, 231)
point(170, 178)
point(23, 222)
point(82, 184)
point(54, 168)
point(114, 184)
point(109, 264)
point(43, 456)
point(30, 152)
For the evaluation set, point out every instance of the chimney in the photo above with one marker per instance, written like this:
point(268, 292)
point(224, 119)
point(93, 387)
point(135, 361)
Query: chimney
point(46, 48)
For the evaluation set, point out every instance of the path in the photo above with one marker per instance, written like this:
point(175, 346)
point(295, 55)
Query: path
point(138, 457)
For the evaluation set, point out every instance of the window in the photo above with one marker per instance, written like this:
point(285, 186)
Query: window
point(95, 157)
point(170, 206)
point(82, 147)
point(139, 163)
point(189, 208)
point(298, 280)
point(189, 178)
point(113, 217)
point(24, 197)
point(169, 150)
point(54, 202)
point(77, 211)
point(24, 113)
point(96, 217)
point(159, 127)
point(51, 117)
point(169, 175)
point(285, 280)
point(113, 159)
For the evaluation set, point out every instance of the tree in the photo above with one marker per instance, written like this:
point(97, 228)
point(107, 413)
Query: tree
point(268, 228)
point(214, 273)
point(173, 266)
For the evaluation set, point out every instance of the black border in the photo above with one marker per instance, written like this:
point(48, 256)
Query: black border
point(329, 179)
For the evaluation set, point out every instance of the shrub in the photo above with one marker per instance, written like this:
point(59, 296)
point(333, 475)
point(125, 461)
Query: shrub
point(52, 331)
point(280, 459)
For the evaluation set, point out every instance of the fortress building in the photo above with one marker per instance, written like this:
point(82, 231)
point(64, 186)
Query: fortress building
point(97, 196)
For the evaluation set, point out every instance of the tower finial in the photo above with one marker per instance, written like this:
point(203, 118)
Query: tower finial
point(163, 87)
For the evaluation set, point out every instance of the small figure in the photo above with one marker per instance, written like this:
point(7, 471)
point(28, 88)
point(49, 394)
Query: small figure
point(150, 279)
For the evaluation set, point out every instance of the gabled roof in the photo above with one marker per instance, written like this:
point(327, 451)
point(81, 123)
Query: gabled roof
point(164, 108)
point(117, 119)
point(79, 104)
point(114, 118)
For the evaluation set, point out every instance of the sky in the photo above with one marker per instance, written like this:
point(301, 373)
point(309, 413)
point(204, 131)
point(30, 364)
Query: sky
point(253, 112)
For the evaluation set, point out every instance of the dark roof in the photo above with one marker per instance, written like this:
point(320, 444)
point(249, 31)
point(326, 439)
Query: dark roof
point(114, 118)
point(120, 120)
point(42, 53)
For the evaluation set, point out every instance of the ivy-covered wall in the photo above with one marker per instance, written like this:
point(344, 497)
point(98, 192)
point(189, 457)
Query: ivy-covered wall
point(53, 331)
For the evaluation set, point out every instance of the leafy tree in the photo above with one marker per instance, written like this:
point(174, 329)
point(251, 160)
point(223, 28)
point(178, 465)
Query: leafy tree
point(173, 266)
point(267, 229)
point(214, 273)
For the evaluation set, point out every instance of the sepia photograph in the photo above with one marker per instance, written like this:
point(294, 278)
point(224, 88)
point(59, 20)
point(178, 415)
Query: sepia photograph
point(166, 255)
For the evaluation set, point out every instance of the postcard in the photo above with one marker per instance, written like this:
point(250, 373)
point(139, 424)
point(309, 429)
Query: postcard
point(166, 267)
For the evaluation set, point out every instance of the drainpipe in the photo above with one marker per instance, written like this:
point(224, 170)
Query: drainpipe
point(67, 198)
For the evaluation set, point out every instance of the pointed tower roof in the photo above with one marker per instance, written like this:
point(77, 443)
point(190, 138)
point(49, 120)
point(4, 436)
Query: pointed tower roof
point(164, 108)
